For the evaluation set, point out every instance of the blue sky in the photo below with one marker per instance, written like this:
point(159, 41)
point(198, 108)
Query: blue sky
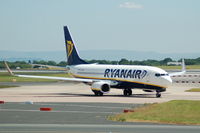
point(141, 25)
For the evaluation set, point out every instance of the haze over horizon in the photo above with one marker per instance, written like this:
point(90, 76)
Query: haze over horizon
point(171, 26)
point(112, 55)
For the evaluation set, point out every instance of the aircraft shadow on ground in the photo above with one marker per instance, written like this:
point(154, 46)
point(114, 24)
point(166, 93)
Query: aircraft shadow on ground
point(88, 95)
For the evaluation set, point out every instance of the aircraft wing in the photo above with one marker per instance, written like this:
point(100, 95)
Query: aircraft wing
point(183, 71)
point(48, 77)
point(57, 78)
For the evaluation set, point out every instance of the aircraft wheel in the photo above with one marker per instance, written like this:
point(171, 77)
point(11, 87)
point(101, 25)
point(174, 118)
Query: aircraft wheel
point(98, 93)
point(158, 94)
point(127, 92)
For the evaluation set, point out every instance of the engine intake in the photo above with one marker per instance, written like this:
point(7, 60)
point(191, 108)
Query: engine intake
point(104, 87)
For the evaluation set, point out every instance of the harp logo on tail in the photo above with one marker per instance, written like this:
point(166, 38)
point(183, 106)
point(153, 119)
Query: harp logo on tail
point(70, 47)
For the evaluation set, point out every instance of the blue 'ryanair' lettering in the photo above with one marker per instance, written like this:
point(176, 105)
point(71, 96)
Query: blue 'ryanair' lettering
point(125, 73)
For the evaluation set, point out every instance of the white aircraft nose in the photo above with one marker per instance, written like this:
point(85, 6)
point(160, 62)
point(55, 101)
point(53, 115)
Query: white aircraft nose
point(168, 81)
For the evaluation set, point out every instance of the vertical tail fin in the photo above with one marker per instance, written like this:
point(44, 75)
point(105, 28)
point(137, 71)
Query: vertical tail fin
point(183, 69)
point(72, 55)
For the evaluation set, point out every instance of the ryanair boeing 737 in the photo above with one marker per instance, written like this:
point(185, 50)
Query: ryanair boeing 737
point(102, 78)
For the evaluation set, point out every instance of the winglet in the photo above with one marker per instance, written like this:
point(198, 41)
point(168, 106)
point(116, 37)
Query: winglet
point(8, 69)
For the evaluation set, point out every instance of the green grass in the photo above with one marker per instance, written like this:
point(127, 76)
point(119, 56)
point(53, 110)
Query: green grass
point(5, 77)
point(7, 86)
point(193, 90)
point(173, 112)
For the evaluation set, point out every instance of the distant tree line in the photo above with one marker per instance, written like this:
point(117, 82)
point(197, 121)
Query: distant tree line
point(20, 64)
point(124, 61)
point(23, 64)
point(51, 63)
point(148, 62)
point(27, 65)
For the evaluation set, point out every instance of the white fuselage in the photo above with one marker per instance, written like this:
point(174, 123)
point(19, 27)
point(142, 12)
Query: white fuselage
point(145, 75)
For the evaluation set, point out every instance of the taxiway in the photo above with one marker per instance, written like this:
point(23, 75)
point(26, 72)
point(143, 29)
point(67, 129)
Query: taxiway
point(75, 109)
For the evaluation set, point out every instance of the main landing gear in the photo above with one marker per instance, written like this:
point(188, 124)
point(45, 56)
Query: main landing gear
point(127, 92)
point(98, 93)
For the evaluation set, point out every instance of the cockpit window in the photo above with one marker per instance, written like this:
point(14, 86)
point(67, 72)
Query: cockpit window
point(161, 74)
point(157, 74)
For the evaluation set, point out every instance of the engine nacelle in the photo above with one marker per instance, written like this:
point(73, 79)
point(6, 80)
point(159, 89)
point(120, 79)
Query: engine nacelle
point(104, 87)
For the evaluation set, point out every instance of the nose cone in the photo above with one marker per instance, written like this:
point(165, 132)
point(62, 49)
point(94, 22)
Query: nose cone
point(168, 81)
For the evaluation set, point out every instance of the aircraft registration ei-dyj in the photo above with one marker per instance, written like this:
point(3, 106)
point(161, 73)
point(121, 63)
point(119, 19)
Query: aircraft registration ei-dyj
point(102, 78)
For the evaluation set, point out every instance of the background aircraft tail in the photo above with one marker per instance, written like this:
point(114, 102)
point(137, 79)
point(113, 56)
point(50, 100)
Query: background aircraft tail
point(72, 55)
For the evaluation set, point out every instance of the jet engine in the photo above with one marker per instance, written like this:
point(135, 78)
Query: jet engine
point(101, 86)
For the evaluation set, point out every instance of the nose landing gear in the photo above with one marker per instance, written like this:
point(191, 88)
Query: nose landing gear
point(158, 94)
